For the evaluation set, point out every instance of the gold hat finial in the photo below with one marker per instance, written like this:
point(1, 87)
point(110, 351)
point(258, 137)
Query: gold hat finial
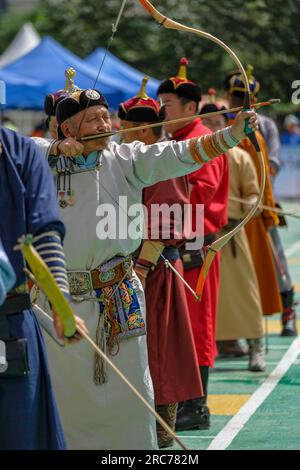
point(142, 94)
point(249, 71)
point(212, 95)
point(183, 68)
point(70, 86)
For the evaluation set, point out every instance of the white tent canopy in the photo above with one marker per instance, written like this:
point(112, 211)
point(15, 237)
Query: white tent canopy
point(26, 40)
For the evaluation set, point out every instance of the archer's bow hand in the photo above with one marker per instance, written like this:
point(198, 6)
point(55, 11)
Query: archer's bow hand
point(60, 329)
point(241, 120)
point(68, 147)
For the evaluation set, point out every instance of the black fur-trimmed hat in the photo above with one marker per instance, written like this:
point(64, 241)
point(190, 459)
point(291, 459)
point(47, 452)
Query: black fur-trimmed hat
point(76, 102)
point(212, 106)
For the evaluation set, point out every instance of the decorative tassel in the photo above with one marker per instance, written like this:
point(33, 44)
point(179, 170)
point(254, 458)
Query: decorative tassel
point(100, 367)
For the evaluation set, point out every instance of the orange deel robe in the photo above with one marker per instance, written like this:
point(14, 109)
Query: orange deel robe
point(257, 233)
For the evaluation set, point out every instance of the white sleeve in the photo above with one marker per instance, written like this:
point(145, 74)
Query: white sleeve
point(44, 145)
point(145, 165)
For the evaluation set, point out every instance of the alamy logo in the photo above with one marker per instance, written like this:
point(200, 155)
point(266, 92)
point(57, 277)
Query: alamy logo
point(161, 221)
point(296, 94)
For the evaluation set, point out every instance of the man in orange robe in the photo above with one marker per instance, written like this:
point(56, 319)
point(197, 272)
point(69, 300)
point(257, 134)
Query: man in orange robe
point(258, 228)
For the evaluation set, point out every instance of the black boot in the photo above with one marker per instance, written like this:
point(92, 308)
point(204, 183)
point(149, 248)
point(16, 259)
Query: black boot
point(288, 318)
point(194, 414)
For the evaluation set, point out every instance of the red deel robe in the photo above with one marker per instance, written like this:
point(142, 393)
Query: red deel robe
point(171, 348)
point(210, 186)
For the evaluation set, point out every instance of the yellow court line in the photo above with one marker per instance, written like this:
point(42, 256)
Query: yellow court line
point(297, 287)
point(293, 261)
point(274, 326)
point(226, 405)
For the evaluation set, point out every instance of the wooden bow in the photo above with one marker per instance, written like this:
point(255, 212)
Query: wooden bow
point(217, 245)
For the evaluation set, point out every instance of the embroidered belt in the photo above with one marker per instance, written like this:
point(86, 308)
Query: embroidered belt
point(83, 282)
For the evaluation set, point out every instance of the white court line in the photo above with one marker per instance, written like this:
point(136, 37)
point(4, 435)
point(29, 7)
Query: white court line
point(292, 249)
point(241, 363)
point(236, 424)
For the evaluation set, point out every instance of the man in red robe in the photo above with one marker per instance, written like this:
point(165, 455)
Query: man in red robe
point(209, 186)
point(172, 353)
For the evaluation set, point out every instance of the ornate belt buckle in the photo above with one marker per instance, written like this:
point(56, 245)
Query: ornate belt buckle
point(80, 282)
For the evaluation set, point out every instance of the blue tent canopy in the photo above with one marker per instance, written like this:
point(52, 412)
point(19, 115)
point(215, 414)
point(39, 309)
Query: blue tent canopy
point(117, 68)
point(22, 92)
point(47, 63)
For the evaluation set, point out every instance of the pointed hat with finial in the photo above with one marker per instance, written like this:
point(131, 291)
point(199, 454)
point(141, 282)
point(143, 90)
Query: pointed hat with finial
point(181, 85)
point(140, 108)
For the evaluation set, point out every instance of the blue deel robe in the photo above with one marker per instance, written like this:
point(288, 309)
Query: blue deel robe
point(28, 413)
point(7, 275)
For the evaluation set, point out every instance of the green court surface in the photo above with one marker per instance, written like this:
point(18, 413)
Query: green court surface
point(270, 419)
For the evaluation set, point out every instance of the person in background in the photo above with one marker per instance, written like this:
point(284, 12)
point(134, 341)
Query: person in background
point(291, 132)
point(259, 227)
point(269, 131)
point(239, 307)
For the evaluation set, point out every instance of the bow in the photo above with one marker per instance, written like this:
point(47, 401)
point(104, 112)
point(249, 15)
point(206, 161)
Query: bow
point(217, 245)
point(45, 280)
point(41, 275)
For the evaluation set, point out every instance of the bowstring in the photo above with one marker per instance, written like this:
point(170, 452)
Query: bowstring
point(114, 28)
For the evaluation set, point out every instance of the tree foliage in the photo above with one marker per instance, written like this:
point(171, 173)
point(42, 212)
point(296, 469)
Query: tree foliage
point(264, 33)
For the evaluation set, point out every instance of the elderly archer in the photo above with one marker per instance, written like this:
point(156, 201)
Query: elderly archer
point(105, 288)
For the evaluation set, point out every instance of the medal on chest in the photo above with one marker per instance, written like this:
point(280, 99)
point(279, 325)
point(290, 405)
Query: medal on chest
point(65, 193)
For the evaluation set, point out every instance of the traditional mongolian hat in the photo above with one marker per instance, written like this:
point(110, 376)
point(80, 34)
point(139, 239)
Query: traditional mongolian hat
point(140, 108)
point(180, 85)
point(212, 106)
point(235, 86)
point(52, 99)
point(77, 101)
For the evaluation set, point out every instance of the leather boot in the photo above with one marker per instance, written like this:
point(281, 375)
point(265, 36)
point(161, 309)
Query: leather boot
point(257, 355)
point(231, 348)
point(288, 318)
point(193, 415)
point(168, 413)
